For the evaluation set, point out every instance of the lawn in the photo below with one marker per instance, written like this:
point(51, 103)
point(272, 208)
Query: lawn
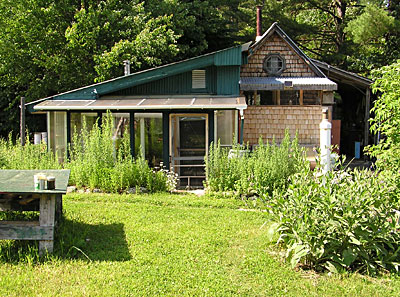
point(166, 245)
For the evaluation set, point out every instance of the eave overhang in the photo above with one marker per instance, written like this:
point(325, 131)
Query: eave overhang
point(143, 104)
point(286, 83)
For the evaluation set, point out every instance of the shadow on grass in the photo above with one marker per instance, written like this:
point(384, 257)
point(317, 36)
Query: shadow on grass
point(74, 240)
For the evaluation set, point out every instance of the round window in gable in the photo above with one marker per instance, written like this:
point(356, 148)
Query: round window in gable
point(274, 64)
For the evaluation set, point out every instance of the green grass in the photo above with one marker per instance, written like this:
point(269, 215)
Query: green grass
point(166, 245)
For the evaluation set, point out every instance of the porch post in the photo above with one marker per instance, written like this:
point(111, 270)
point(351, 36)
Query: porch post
point(210, 127)
point(22, 121)
point(165, 117)
point(366, 119)
point(142, 138)
point(132, 132)
point(68, 133)
point(325, 141)
point(241, 125)
point(99, 119)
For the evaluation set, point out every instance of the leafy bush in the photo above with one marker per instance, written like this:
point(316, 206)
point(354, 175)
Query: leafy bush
point(259, 172)
point(339, 221)
point(98, 161)
point(30, 156)
point(386, 121)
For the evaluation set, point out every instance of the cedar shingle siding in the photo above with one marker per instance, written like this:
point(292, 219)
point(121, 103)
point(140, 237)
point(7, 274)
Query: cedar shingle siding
point(295, 66)
point(271, 121)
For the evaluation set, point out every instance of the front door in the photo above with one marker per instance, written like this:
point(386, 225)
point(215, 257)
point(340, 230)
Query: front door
point(188, 147)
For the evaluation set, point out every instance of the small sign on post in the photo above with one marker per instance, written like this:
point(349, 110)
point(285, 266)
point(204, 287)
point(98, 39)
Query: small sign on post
point(325, 128)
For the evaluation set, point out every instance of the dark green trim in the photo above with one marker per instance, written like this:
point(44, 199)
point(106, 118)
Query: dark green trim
point(132, 133)
point(166, 138)
point(210, 127)
point(99, 118)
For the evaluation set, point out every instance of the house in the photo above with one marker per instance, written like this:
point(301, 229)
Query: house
point(173, 112)
point(284, 89)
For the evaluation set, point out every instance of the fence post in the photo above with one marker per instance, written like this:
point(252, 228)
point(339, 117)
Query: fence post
point(22, 121)
point(325, 128)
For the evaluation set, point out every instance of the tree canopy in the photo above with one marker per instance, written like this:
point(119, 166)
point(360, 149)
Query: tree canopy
point(49, 46)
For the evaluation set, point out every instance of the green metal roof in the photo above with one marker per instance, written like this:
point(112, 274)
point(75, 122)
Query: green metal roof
point(226, 57)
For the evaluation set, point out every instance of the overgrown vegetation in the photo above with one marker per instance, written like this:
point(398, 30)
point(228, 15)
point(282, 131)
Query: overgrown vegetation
point(386, 121)
point(259, 173)
point(30, 156)
point(349, 220)
point(341, 221)
point(96, 160)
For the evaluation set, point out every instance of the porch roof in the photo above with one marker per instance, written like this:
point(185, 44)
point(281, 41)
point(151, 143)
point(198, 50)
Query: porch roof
point(286, 83)
point(144, 103)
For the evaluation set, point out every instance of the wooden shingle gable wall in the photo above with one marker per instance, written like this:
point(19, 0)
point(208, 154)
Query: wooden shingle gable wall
point(296, 65)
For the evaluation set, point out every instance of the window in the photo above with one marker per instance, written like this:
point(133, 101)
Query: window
point(198, 79)
point(225, 123)
point(289, 97)
point(274, 64)
point(81, 120)
point(149, 137)
point(58, 133)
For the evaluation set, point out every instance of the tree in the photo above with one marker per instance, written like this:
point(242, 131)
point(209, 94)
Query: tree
point(375, 32)
point(49, 46)
point(386, 121)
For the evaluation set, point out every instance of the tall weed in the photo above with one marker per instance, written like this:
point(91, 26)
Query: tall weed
point(99, 161)
point(31, 156)
point(260, 172)
point(96, 160)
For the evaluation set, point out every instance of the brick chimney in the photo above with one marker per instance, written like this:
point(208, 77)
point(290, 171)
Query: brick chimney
point(259, 22)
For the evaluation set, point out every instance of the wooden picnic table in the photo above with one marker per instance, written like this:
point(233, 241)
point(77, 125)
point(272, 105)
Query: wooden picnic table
point(17, 192)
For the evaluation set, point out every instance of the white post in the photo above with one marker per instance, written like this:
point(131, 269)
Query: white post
point(325, 128)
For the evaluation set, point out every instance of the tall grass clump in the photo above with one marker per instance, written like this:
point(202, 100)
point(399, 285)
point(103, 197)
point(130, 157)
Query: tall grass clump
point(30, 156)
point(97, 160)
point(259, 172)
point(341, 221)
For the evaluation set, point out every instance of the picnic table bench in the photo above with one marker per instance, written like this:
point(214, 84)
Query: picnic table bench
point(17, 193)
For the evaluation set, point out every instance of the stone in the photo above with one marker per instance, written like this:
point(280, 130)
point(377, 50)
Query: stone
point(143, 190)
point(71, 189)
point(131, 191)
point(97, 191)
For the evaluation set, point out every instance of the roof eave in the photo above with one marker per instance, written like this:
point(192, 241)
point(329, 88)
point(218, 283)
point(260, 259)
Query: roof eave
point(353, 77)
